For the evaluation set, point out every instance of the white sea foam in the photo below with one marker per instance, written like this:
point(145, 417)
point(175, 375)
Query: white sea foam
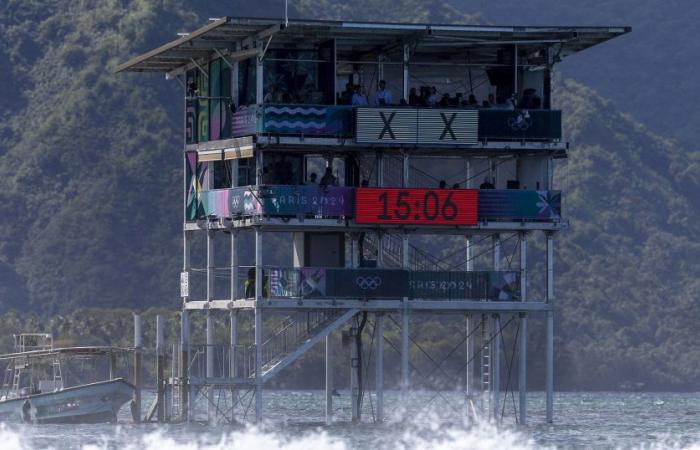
point(483, 436)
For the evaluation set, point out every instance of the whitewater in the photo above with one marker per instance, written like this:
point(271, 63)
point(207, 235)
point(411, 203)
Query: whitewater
point(584, 420)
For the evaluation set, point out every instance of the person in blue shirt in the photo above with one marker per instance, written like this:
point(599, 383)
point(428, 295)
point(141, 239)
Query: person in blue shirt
point(383, 96)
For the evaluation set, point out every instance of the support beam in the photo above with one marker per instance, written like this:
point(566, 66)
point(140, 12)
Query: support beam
point(379, 383)
point(259, 81)
point(549, 380)
point(233, 319)
point(404, 356)
point(468, 371)
point(184, 364)
point(405, 244)
point(138, 345)
point(549, 376)
point(522, 370)
point(406, 56)
point(210, 265)
point(210, 366)
point(235, 286)
point(258, 324)
point(160, 368)
point(496, 387)
point(329, 378)
point(496, 343)
point(522, 360)
point(354, 373)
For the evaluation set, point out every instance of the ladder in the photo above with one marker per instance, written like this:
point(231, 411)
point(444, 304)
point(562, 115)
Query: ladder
point(485, 378)
point(57, 375)
point(17, 377)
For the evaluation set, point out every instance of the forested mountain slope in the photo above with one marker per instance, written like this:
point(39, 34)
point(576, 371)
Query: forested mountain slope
point(91, 186)
point(648, 73)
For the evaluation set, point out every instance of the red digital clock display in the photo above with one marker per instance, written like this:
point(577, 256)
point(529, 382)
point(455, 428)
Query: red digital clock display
point(416, 206)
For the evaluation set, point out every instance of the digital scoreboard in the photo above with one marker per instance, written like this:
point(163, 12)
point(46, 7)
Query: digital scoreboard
point(416, 206)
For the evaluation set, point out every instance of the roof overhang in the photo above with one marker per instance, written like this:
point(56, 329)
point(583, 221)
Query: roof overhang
point(240, 38)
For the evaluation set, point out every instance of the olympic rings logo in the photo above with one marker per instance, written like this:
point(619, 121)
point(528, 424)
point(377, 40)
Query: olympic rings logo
point(368, 283)
point(521, 123)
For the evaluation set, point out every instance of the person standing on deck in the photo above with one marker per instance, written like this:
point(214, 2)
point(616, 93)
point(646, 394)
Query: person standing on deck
point(383, 96)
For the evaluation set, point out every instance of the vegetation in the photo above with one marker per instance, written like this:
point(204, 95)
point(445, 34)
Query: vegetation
point(90, 180)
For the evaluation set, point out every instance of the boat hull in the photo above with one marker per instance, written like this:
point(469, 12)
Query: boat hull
point(89, 403)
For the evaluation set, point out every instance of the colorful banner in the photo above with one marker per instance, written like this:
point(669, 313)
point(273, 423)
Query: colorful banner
point(245, 121)
point(307, 282)
point(385, 283)
point(310, 120)
point(192, 186)
point(307, 201)
point(513, 204)
point(522, 124)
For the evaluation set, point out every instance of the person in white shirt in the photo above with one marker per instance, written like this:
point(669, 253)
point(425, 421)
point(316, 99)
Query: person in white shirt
point(433, 98)
point(358, 98)
point(383, 95)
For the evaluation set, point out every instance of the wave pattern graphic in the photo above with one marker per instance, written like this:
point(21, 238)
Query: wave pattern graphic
point(304, 111)
point(294, 124)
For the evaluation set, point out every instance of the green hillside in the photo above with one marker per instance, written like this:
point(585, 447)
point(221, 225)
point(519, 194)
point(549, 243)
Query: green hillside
point(91, 186)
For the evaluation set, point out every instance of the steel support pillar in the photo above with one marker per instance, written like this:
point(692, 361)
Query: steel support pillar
point(210, 366)
point(329, 378)
point(549, 338)
point(496, 343)
point(233, 338)
point(468, 369)
point(160, 369)
point(406, 57)
point(379, 383)
point(138, 346)
point(258, 324)
point(496, 386)
point(184, 364)
point(404, 356)
point(354, 372)
point(210, 265)
point(234, 287)
point(522, 360)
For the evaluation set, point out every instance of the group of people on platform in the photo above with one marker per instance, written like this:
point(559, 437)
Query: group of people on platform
point(428, 96)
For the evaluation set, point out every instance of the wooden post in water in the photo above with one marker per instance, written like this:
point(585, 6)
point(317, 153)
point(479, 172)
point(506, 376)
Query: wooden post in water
point(136, 410)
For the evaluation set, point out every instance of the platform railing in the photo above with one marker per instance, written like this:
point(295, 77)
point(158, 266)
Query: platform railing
point(441, 125)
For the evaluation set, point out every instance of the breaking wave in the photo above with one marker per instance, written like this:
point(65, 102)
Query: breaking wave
point(482, 436)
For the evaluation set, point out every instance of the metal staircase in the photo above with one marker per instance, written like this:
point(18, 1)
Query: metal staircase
point(393, 253)
point(294, 337)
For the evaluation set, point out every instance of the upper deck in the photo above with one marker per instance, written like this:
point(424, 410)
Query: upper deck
point(302, 83)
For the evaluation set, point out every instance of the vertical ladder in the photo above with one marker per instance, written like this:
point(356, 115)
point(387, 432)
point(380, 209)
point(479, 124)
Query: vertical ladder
point(57, 376)
point(485, 378)
point(175, 383)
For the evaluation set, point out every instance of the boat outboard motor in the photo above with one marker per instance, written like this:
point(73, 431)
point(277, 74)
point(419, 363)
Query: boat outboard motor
point(26, 411)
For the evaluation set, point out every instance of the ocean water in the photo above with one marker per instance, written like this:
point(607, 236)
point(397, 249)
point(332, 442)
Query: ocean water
point(295, 421)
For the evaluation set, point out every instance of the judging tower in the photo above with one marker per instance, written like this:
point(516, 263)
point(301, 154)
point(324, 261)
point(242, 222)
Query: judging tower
point(346, 176)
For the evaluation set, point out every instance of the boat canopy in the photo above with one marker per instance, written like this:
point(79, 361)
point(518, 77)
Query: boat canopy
point(76, 352)
point(241, 38)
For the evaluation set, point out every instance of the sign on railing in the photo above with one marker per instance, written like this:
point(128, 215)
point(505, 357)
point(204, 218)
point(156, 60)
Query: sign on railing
point(309, 120)
point(513, 204)
point(312, 282)
point(407, 125)
point(302, 200)
point(539, 124)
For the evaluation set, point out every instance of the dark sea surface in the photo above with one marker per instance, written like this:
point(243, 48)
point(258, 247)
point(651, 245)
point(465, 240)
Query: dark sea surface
point(434, 421)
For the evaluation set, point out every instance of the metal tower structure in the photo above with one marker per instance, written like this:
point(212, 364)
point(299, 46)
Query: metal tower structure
point(374, 211)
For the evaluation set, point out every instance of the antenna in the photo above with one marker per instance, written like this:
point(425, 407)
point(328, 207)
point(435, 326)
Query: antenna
point(286, 16)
